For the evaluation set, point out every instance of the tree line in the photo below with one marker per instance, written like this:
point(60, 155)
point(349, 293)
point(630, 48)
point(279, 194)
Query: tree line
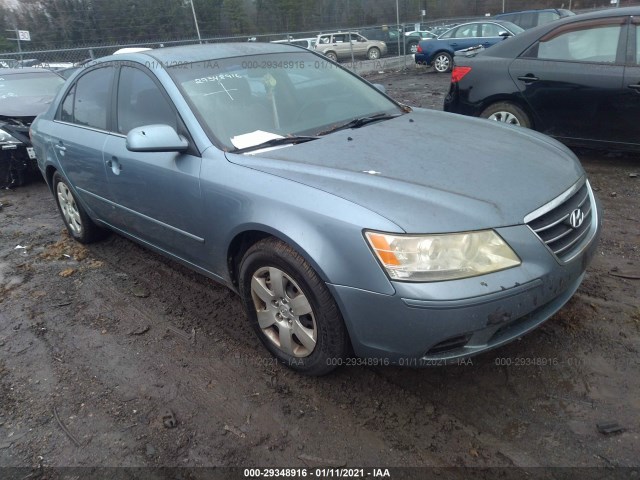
point(69, 23)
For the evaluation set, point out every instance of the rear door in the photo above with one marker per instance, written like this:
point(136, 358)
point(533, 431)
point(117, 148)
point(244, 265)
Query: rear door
point(572, 79)
point(465, 36)
point(79, 132)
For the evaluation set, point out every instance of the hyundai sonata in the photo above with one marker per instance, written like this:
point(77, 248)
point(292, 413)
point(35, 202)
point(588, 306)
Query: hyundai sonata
point(299, 185)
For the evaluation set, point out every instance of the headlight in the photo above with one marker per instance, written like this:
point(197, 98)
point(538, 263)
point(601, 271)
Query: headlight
point(430, 258)
point(5, 138)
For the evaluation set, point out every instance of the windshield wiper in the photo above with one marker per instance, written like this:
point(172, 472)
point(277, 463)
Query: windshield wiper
point(274, 142)
point(360, 122)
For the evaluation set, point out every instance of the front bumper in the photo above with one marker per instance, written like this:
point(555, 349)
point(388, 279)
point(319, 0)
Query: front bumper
point(17, 165)
point(431, 323)
point(422, 59)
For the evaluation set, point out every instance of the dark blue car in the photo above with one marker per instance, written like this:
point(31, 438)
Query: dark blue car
point(439, 52)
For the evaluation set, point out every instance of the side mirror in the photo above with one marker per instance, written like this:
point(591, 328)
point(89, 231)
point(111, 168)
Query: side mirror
point(155, 138)
point(504, 34)
point(380, 87)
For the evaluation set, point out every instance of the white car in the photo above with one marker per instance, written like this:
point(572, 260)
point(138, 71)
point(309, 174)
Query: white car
point(308, 43)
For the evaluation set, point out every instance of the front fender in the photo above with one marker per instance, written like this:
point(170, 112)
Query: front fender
point(326, 230)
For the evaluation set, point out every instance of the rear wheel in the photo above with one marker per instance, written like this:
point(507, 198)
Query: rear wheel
point(507, 112)
point(78, 223)
point(413, 47)
point(291, 309)
point(442, 62)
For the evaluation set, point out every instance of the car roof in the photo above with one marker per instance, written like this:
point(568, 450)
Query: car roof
point(502, 23)
point(210, 51)
point(498, 15)
point(516, 45)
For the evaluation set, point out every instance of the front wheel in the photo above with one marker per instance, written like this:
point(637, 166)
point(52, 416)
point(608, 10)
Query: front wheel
point(78, 223)
point(373, 53)
point(442, 62)
point(507, 112)
point(291, 309)
point(413, 47)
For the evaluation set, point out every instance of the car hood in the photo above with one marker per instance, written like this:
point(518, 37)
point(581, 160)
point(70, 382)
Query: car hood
point(430, 171)
point(30, 106)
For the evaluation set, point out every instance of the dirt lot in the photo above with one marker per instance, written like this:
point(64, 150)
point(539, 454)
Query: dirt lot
point(101, 346)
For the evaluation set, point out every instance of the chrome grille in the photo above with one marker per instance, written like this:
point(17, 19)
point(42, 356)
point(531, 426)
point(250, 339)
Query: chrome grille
point(553, 224)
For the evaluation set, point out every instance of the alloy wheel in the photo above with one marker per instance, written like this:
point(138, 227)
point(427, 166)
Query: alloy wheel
point(284, 313)
point(69, 208)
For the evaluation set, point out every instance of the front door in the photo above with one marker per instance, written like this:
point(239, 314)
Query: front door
point(156, 195)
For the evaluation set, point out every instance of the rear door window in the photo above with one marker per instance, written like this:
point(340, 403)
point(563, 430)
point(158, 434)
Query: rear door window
point(90, 97)
point(583, 42)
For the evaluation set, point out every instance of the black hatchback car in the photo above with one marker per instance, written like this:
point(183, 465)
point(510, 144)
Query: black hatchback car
point(576, 79)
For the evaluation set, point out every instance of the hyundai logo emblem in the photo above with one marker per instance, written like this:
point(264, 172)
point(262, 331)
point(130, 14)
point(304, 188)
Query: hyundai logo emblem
point(576, 218)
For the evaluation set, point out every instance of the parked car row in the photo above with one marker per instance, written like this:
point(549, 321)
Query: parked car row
point(439, 52)
point(576, 79)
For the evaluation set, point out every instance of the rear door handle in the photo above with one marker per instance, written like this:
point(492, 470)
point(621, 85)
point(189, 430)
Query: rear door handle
point(528, 78)
point(635, 87)
point(61, 147)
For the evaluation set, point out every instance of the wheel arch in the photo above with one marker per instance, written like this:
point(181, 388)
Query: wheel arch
point(252, 234)
point(517, 101)
point(245, 239)
point(49, 172)
point(442, 50)
point(329, 255)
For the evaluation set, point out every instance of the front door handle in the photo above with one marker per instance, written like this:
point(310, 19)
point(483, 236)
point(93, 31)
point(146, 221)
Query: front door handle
point(635, 87)
point(114, 165)
point(528, 78)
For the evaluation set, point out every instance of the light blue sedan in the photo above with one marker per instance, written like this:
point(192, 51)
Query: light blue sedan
point(300, 186)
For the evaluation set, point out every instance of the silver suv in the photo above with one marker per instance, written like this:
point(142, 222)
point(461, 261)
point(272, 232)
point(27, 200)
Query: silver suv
point(338, 45)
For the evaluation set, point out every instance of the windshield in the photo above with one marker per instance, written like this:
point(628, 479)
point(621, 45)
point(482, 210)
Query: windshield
point(276, 95)
point(29, 85)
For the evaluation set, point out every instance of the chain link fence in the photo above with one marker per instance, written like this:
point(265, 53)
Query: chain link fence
point(66, 57)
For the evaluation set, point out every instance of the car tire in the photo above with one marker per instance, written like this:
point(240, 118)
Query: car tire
point(75, 218)
point(331, 56)
point(442, 62)
point(507, 112)
point(312, 340)
point(413, 47)
point(373, 53)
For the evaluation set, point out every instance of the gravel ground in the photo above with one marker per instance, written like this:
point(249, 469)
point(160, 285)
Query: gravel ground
point(111, 355)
